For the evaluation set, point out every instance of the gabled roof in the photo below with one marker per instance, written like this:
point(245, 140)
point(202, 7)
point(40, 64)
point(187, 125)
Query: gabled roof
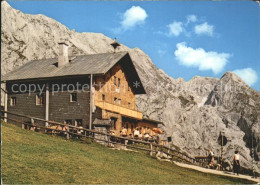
point(86, 64)
point(96, 64)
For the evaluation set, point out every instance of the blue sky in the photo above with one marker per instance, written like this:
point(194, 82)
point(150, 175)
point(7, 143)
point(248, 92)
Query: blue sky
point(183, 38)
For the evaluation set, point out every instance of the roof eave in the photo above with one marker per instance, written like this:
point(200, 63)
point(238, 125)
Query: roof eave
point(46, 78)
point(155, 121)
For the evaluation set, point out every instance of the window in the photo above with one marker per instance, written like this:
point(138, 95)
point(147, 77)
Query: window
point(13, 101)
point(73, 97)
point(39, 99)
point(68, 121)
point(114, 80)
point(118, 82)
point(103, 97)
point(115, 99)
point(78, 122)
point(119, 101)
point(129, 105)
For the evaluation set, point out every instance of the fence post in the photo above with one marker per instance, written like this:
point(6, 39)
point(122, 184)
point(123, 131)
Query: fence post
point(125, 141)
point(67, 134)
point(32, 124)
point(93, 136)
point(108, 140)
point(161, 151)
point(172, 155)
point(151, 149)
point(47, 102)
point(5, 104)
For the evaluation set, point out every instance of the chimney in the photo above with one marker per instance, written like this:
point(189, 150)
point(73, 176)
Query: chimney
point(115, 44)
point(63, 54)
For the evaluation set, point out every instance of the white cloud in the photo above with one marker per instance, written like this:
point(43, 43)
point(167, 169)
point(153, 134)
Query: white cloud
point(191, 18)
point(200, 58)
point(204, 29)
point(247, 74)
point(133, 16)
point(175, 28)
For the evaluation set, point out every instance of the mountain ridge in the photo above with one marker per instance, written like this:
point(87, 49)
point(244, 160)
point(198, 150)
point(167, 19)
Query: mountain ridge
point(187, 108)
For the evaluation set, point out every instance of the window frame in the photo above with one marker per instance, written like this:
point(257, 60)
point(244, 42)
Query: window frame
point(115, 100)
point(39, 99)
point(115, 80)
point(119, 82)
point(71, 97)
point(68, 120)
point(13, 100)
point(78, 120)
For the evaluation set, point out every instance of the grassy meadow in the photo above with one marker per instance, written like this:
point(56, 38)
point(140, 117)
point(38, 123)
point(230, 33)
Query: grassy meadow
point(34, 158)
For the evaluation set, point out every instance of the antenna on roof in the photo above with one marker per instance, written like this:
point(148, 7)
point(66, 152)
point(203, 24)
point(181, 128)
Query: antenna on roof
point(115, 44)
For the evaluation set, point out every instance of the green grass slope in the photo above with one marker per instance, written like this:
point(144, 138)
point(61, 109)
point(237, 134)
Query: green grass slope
point(35, 158)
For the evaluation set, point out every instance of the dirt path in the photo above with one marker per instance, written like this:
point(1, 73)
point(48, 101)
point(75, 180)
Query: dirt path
point(205, 170)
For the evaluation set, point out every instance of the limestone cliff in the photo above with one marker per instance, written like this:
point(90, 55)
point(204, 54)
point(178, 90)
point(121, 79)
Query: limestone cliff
point(194, 112)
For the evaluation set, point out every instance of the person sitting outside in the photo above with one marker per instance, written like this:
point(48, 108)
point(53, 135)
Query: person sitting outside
point(124, 132)
point(66, 128)
point(51, 129)
point(112, 132)
point(146, 136)
point(140, 136)
point(154, 138)
point(59, 129)
point(80, 131)
point(136, 134)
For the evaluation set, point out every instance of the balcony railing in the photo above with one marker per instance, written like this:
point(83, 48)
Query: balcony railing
point(119, 109)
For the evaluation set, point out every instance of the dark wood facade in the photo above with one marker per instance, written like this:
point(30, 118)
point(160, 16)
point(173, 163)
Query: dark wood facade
point(61, 107)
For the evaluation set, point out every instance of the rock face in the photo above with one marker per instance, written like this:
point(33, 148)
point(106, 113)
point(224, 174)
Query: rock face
point(193, 112)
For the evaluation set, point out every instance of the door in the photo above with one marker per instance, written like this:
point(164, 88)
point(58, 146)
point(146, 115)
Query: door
point(113, 123)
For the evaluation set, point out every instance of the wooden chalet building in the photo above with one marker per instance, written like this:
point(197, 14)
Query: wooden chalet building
point(90, 91)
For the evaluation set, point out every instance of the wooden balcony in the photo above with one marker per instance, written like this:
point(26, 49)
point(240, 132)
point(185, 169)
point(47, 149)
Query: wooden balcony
point(119, 109)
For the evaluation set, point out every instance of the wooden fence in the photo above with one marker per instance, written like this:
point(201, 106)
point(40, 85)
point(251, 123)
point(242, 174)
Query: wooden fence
point(204, 160)
point(72, 131)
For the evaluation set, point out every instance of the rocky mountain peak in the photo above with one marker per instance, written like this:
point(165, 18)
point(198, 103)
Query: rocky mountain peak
point(193, 112)
point(232, 77)
point(5, 6)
